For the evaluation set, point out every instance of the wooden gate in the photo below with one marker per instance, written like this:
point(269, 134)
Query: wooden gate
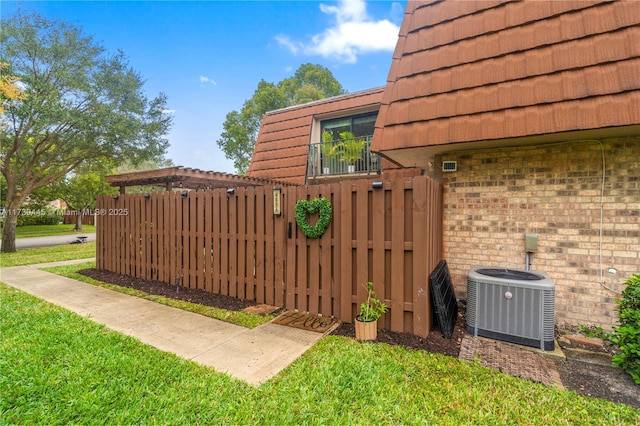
point(234, 244)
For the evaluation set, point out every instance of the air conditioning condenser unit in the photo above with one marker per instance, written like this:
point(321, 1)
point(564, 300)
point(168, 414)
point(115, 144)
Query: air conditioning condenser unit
point(512, 305)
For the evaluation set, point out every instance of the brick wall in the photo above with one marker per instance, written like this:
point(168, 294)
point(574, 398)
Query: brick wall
point(498, 195)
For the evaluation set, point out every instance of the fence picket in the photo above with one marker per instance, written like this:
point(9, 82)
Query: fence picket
point(270, 253)
point(241, 252)
point(279, 241)
point(292, 238)
point(396, 310)
point(336, 267)
point(421, 296)
point(201, 245)
point(346, 249)
point(312, 259)
point(137, 260)
point(207, 239)
point(225, 244)
point(148, 236)
point(325, 274)
point(216, 251)
point(260, 259)
point(250, 244)
point(181, 246)
point(173, 247)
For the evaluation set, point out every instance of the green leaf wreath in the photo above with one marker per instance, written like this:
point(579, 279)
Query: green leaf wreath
point(317, 205)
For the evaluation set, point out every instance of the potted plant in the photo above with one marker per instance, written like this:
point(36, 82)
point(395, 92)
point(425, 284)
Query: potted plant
point(367, 320)
point(329, 150)
point(351, 149)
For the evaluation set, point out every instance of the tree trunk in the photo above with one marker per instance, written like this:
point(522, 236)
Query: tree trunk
point(9, 229)
point(79, 216)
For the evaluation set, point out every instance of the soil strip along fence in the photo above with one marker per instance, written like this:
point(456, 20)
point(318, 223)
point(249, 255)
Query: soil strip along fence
point(234, 244)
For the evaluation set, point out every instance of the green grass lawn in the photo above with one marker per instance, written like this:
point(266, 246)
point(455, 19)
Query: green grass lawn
point(48, 254)
point(59, 368)
point(48, 230)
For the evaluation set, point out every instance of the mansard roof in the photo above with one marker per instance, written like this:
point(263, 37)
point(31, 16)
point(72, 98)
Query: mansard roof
point(465, 72)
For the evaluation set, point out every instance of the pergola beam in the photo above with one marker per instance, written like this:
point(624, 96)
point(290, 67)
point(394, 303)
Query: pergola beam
point(187, 178)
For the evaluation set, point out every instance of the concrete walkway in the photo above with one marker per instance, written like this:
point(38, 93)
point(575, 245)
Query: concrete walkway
point(254, 355)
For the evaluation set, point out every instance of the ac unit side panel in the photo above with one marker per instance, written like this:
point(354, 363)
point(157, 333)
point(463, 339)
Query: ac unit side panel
point(472, 296)
point(549, 331)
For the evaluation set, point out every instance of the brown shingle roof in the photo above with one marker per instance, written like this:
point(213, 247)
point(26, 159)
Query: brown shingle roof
point(494, 70)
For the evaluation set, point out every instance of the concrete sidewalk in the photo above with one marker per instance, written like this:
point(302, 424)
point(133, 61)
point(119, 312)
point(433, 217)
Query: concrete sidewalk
point(254, 355)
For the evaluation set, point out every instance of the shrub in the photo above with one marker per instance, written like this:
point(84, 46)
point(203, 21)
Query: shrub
point(627, 336)
point(37, 215)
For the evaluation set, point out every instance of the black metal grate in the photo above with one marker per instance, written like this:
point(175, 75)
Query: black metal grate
point(444, 299)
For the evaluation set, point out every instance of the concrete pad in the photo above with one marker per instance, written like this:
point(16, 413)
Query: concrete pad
point(593, 357)
point(517, 360)
point(260, 353)
point(254, 355)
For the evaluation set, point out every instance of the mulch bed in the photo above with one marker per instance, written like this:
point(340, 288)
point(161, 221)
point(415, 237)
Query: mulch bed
point(159, 288)
point(587, 379)
point(433, 343)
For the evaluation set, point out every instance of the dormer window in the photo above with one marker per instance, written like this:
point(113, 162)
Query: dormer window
point(359, 125)
point(343, 147)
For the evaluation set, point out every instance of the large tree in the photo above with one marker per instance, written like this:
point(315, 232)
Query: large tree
point(82, 105)
point(240, 129)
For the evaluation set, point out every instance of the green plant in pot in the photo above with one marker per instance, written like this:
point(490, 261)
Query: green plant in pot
point(351, 149)
point(329, 150)
point(370, 311)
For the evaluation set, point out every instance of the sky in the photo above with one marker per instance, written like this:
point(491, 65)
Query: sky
point(208, 56)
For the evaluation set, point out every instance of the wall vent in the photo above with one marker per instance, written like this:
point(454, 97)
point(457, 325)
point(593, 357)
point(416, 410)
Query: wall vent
point(449, 166)
point(511, 305)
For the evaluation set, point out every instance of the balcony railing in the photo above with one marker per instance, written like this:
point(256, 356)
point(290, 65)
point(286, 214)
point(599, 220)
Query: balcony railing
point(340, 158)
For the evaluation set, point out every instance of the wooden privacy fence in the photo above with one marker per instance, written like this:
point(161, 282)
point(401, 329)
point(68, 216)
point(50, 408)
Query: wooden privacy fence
point(234, 244)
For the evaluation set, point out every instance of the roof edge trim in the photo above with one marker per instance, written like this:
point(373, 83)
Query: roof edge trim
point(327, 100)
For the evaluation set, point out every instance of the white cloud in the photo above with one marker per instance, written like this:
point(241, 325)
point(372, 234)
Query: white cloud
point(206, 80)
point(286, 42)
point(353, 34)
point(169, 111)
point(350, 39)
point(397, 11)
point(347, 10)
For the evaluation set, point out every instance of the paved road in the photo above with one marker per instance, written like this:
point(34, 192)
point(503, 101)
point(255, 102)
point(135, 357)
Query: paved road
point(54, 240)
